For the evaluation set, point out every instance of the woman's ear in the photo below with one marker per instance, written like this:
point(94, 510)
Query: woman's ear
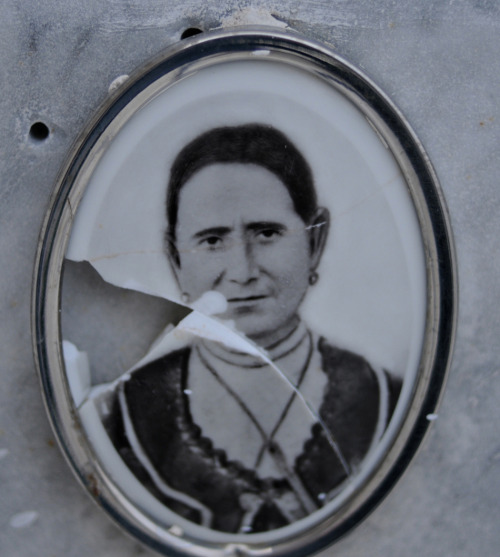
point(171, 250)
point(175, 262)
point(318, 233)
point(172, 255)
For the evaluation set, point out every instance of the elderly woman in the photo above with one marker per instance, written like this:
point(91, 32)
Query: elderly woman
point(216, 434)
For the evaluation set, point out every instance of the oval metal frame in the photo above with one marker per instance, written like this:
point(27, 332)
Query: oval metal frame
point(201, 51)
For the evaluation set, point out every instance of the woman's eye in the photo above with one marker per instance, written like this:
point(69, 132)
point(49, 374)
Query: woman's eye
point(211, 241)
point(268, 233)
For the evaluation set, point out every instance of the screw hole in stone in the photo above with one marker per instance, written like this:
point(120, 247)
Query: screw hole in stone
point(190, 32)
point(39, 131)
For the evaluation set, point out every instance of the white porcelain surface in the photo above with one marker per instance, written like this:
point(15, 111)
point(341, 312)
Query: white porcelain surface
point(439, 63)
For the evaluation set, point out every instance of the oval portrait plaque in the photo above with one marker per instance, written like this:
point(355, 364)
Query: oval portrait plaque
point(244, 298)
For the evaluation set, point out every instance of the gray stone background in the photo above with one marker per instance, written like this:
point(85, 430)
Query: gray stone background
point(440, 63)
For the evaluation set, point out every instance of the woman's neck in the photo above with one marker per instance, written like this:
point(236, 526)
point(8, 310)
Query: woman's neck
point(270, 339)
point(286, 346)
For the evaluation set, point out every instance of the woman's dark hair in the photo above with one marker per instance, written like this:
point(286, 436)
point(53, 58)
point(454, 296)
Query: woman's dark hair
point(251, 143)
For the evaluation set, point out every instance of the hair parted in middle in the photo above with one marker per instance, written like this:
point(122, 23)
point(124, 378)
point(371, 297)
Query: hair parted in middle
point(258, 144)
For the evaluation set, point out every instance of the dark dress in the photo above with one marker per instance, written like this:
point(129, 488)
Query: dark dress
point(154, 402)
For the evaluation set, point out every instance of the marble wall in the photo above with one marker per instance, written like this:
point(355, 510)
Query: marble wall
point(439, 63)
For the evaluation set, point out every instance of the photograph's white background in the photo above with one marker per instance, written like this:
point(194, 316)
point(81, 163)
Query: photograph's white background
point(371, 294)
point(439, 63)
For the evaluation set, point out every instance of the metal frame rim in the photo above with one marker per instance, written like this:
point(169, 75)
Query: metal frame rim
point(47, 270)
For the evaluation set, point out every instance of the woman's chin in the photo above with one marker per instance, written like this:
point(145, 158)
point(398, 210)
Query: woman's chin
point(263, 325)
point(252, 326)
point(264, 334)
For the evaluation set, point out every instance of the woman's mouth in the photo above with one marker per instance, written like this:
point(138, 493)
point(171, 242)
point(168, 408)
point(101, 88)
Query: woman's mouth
point(243, 299)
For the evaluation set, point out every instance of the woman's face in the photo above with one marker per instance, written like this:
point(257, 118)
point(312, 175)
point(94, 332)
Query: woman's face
point(238, 234)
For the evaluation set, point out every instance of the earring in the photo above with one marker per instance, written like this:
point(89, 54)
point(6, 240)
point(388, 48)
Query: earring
point(185, 298)
point(313, 277)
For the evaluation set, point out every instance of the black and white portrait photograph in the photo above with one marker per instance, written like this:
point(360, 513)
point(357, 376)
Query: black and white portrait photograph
point(250, 258)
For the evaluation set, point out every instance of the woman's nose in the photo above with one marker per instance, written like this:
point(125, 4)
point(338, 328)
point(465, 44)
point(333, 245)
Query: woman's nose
point(241, 265)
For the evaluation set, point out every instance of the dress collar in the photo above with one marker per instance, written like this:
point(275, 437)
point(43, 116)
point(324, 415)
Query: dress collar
point(286, 347)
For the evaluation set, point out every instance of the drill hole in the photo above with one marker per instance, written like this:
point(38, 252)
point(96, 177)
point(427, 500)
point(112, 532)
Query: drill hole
point(190, 32)
point(39, 131)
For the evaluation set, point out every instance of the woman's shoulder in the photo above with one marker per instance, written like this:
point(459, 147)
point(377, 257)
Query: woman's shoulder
point(165, 376)
point(335, 358)
point(359, 399)
point(168, 364)
point(344, 365)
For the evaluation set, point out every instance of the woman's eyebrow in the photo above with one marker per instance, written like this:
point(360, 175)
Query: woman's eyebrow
point(261, 225)
point(214, 231)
